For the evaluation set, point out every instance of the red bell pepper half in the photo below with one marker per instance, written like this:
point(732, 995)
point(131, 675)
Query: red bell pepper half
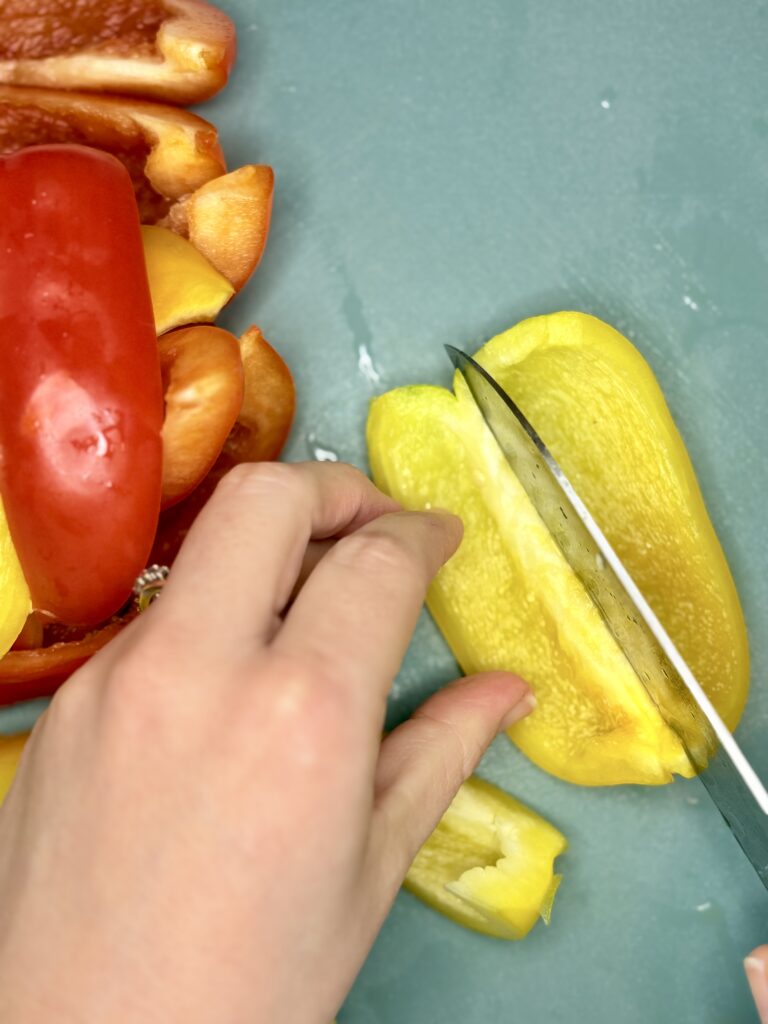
point(81, 405)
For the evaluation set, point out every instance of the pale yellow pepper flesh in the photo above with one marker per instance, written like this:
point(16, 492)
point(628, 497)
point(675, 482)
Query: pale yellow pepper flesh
point(10, 752)
point(185, 288)
point(15, 600)
point(489, 864)
point(509, 600)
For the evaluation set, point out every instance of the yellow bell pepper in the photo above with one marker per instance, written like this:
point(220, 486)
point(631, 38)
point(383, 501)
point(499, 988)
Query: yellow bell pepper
point(15, 600)
point(185, 288)
point(509, 600)
point(10, 752)
point(489, 863)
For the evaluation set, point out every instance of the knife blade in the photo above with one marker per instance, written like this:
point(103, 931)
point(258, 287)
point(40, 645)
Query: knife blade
point(729, 778)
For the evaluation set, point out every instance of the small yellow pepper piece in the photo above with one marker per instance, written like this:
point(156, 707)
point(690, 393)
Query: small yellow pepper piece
point(508, 599)
point(185, 288)
point(15, 600)
point(489, 863)
point(10, 752)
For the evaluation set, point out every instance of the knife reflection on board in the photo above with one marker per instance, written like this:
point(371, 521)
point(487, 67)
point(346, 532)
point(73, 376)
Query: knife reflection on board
point(729, 778)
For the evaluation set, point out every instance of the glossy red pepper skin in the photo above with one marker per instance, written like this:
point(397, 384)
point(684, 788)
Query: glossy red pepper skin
point(81, 406)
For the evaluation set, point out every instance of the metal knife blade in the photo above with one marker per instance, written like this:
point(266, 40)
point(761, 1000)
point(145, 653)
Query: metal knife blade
point(730, 780)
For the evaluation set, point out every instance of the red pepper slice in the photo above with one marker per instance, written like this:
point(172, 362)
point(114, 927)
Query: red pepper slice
point(25, 675)
point(81, 406)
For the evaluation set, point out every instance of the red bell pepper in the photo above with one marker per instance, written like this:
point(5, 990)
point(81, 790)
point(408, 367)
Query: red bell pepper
point(81, 405)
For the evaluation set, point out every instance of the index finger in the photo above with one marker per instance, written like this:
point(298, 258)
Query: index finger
point(237, 567)
point(756, 967)
point(354, 617)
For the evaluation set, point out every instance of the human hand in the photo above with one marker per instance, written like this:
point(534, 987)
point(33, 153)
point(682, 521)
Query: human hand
point(756, 966)
point(206, 825)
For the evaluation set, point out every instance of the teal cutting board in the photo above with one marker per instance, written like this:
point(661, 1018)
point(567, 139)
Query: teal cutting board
point(445, 169)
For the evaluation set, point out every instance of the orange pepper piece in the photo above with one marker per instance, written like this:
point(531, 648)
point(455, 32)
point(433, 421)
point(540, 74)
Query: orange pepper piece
point(227, 220)
point(176, 50)
point(203, 379)
point(269, 403)
point(259, 434)
point(169, 153)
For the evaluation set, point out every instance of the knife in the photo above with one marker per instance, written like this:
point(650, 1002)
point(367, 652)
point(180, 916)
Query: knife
point(729, 778)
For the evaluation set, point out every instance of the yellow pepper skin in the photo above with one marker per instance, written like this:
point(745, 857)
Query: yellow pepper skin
point(185, 288)
point(489, 863)
point(10, 752)
point(509, 600)
point(15, 600)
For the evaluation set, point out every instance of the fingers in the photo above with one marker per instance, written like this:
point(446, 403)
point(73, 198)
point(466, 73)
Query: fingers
point(425, 760)
point(756, 967)
point(354, 617)
point(238, 565)
point(316, 550)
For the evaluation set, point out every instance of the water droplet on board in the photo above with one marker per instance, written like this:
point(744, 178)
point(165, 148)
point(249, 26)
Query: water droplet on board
point(690, 303)
point(325, 455)
point(365, 365)
point(320, 452)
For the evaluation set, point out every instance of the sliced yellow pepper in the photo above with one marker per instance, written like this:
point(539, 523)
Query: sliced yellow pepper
point(10, 752)
point(508, 599)
point(489, 863)
point(185, 288)
point(15, 600)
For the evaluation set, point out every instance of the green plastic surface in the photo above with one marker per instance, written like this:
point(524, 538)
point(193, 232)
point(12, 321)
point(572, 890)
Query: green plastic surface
point(445, 169)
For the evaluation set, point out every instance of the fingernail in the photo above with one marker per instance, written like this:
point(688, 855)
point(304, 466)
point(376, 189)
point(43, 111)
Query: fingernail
point(523, 707)
point(757, 976)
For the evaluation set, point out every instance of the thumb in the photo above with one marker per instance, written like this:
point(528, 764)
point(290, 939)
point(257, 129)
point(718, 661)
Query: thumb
point(756, 967)
point(424, 761)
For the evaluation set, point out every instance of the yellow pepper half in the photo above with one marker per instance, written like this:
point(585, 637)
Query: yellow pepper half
point(489, 863)
point(15, 599)
point(508, 599)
